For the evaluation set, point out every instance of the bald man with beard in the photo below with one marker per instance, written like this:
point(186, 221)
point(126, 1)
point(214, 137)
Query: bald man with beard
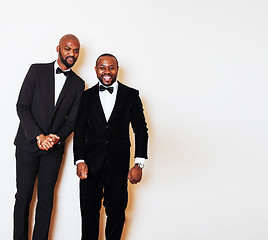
point(47, 108)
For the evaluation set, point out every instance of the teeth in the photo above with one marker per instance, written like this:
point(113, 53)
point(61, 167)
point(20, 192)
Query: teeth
point(106, 77)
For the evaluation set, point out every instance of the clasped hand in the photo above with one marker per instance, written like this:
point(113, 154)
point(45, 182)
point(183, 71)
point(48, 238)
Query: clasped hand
point(47, 142)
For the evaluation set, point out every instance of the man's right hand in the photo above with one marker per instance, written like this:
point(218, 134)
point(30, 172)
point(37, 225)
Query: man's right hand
point(82, 170)
point(44, 142)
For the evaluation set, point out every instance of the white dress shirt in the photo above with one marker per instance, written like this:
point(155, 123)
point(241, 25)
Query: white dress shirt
point(60, 79)
point(107, 102)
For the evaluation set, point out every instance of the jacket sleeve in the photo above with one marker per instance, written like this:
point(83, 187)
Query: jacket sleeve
point(79, 140)
point(24, 104)
point(69, 124)
point(139, 126)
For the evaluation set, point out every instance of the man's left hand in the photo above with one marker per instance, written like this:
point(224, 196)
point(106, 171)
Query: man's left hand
point(55, 138)
point(135, 175)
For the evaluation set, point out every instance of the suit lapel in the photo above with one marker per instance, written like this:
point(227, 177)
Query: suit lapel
point(51, 89)
point(96, 103)
point(64, 90)
point(119, 99)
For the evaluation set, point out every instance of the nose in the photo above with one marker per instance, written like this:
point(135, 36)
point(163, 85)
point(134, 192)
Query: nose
point(107, 70)
point(71, 53)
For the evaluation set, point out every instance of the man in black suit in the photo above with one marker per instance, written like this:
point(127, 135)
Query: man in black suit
point(102, 149)
point(47, 107)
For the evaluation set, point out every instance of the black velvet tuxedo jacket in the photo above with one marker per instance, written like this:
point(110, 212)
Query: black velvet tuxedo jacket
point(95, 139)
point(37, 111)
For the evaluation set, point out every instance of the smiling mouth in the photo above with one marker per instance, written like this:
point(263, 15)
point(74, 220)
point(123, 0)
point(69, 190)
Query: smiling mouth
point(107, 77)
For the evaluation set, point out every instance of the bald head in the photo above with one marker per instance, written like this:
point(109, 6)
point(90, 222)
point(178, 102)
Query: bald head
point(68, 51)
point(69, 37)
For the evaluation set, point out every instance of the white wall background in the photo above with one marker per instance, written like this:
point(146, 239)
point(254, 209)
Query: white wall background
point(201, 68)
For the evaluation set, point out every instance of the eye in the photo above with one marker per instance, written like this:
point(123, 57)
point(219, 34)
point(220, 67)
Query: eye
point(76, 50)
point(67, 48)
point(111, 68)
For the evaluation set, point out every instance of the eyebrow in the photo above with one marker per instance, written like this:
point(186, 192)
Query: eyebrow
point(70, 47)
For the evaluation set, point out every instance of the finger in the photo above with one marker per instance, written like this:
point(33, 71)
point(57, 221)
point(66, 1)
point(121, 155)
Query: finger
point(84, 173)
point(54, 136)
point(45, 146)
point(42, 148)
point(49, 144)
point(80, 174)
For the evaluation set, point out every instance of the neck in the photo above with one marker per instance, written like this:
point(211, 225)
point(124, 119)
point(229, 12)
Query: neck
point(61, 65)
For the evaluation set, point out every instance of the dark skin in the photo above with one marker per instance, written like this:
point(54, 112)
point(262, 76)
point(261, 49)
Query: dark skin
point(68, 52)
point(106, 71)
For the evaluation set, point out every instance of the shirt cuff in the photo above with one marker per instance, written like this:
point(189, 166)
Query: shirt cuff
point(79, 161)
point(139, 160)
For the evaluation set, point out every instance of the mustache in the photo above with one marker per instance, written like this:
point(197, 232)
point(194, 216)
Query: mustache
point(70, 57)
point(106, 74)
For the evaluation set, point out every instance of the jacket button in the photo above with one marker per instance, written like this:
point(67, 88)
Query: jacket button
point(107, 142)
point(107, 126)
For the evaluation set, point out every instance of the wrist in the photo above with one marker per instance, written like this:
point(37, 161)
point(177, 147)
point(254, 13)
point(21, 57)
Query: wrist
point(79, 161)
point(139, 165)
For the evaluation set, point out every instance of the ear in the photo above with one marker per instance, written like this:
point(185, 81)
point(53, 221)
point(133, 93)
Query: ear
point(96, 69)
point(58, 48)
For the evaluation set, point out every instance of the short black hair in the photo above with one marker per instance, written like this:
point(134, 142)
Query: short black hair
point(109, 55)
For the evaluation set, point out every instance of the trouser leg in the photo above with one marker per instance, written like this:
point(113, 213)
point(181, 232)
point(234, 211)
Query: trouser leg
point(115, 202)
point(26, 171)
point(91, 194)
point(47, 177)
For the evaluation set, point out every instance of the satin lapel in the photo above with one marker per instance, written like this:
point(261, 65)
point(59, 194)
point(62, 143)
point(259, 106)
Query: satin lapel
point(119, 99)
point(96, 104)
point(64, 90)
point(51, 89)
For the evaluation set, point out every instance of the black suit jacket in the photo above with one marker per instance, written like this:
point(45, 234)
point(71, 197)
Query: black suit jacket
point(37, 111)
point(95, 139)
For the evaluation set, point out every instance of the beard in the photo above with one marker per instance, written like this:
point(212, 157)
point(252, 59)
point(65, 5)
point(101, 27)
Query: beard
point(64, 61)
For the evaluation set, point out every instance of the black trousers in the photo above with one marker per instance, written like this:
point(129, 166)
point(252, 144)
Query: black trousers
point(111, 187)
point(45, 165)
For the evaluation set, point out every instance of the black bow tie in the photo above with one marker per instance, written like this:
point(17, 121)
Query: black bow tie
point(109, 89)
point(59, 70)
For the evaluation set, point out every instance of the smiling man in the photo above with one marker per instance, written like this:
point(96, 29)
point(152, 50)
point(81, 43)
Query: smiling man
point(102, 149)
point(47, 106)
